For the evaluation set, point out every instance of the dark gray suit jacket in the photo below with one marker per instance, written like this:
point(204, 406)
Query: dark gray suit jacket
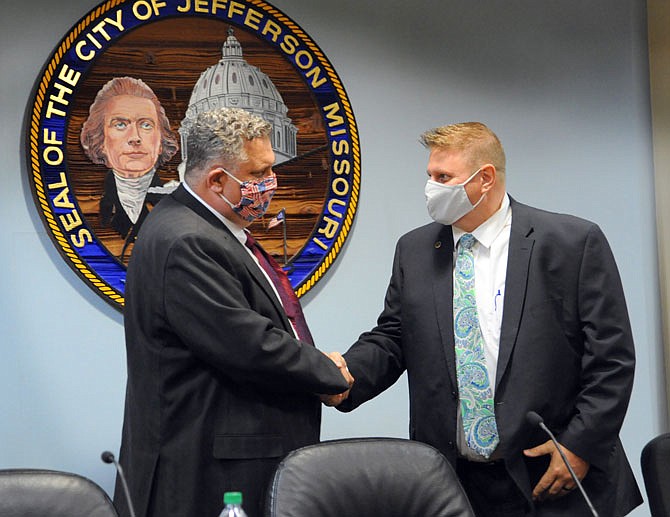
point(566, 351)
point(218, 389)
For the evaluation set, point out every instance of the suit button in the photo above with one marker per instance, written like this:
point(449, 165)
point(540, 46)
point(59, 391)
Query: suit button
point(450, 445)
point(454, 395)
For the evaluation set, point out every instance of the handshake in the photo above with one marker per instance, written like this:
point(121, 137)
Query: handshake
point(336, 400)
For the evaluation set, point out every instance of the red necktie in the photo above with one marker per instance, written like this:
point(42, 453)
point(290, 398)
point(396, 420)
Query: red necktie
point(283, 285)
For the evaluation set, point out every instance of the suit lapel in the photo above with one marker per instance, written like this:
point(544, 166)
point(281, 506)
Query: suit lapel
point(185, 198)
point(516, 282)
point(443, 294)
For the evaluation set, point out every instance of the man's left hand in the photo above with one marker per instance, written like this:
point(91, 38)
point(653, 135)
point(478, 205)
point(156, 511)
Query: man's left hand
point(556, 481)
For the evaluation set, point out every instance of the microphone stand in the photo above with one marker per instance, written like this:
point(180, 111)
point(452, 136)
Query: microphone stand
point(534, 419)
point(108, 457)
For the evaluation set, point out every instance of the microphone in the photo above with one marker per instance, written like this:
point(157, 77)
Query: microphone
point(108, 457)
point(536, 421)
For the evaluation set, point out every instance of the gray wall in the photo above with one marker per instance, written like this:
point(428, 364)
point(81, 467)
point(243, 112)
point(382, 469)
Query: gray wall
point(565, 86)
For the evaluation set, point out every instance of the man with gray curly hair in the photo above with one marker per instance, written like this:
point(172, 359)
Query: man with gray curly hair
point(222, 371)
point(222, 134)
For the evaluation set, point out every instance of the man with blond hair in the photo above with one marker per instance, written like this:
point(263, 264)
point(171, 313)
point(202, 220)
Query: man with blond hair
point(223, 376)
point(495, 310)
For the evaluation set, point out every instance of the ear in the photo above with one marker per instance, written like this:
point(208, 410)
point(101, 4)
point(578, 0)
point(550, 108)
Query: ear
point(489, 175)
point(216, 179)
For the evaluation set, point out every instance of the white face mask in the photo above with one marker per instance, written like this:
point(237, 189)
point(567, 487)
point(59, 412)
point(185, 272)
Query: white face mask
point(448, 203)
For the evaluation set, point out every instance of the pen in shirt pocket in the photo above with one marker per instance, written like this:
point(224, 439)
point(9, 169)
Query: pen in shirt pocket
point(495, 300)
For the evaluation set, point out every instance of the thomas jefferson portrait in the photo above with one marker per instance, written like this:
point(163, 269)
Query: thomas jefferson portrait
point(128, 131)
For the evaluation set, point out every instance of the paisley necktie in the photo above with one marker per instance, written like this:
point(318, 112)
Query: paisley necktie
point(475, 394)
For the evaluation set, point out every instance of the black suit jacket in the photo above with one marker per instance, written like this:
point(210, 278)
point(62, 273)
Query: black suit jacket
point(218, 388)
point(566, 351)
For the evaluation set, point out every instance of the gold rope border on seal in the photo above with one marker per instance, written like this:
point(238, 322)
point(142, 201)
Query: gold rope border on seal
point(356, 183)
point(47, 213)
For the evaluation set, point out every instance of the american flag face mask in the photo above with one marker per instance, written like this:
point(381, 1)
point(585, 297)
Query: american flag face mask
point(256, 196)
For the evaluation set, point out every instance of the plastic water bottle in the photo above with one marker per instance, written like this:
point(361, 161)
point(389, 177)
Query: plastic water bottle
point(232, 505)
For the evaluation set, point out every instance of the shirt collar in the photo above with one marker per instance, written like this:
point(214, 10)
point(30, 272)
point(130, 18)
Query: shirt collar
point(239, 232)
point(487, 232)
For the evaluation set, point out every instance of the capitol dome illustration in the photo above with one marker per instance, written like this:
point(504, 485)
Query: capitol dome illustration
point(234, 83)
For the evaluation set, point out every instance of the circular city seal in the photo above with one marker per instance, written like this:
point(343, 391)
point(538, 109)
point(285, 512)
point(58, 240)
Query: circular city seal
point(166, 61)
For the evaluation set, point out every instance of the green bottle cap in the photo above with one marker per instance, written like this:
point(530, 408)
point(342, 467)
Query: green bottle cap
point(232, 498)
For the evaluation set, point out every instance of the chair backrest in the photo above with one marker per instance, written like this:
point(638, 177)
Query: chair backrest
point(655, 462)
point(48, 493)
point(360, 477)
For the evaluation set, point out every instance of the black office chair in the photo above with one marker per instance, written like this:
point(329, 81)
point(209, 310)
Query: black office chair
point(366, 477)
point(655, 460)
point(48, 493)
